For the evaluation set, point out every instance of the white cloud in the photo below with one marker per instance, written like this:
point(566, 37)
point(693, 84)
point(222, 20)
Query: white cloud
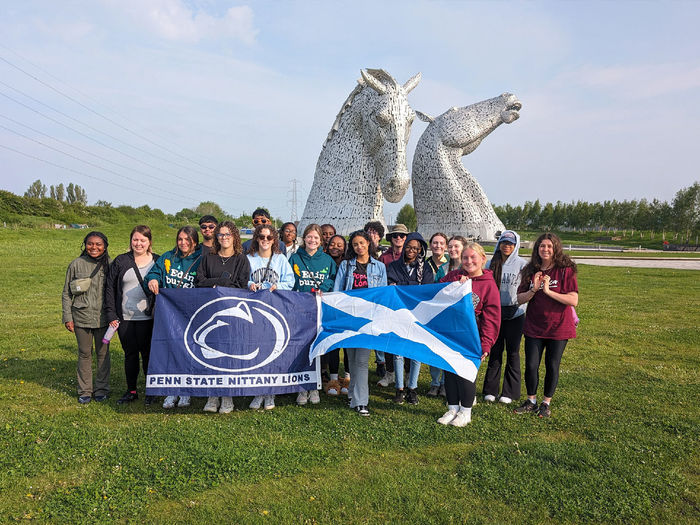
point(173, 20)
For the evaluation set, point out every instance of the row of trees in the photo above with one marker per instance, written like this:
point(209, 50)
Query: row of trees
point(73, 194)
point(681, 215)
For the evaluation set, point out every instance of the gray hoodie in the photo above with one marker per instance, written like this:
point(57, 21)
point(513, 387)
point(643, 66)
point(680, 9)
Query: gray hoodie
point(510, 276)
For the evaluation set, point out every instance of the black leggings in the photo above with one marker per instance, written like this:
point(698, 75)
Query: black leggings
point(135, 337)
point(509, 337)
point(534, 348)
point(459, 391)
point(332, 359)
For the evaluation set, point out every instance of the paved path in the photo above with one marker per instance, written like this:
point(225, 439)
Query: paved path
point(642, 262)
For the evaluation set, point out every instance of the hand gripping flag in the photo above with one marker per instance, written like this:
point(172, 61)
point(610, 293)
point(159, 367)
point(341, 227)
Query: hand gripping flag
point(434, 324)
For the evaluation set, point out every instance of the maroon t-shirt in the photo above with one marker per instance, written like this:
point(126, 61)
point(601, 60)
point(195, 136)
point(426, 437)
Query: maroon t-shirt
point(546, 318)
point(389, 257)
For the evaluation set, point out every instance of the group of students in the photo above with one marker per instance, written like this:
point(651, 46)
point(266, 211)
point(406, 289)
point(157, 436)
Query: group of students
point(511, 297)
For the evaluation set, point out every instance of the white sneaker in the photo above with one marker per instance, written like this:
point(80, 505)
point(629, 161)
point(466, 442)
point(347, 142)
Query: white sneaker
point(474, 403)
point(269, 402)
point(302, 397)
point(256, 403)
point(212, 404)
point(463, 417)
point(447, 417)
point(169, 402)
point(506, 400)
point(389, 378)
point(226, 405)
point(184, 402)
point(489, 398)
point(314, 397)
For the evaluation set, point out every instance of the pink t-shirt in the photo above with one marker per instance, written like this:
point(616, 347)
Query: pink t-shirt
point(546, 318)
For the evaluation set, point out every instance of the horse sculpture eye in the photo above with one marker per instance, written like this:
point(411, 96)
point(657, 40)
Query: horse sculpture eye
point(383, 119)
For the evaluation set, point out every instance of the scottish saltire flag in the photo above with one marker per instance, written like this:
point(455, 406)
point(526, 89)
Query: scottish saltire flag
point(432, 323)
point(232, 342)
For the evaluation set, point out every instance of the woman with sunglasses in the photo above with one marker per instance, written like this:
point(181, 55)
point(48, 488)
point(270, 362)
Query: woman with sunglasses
point(359, 270)
point(314, 271)
point(223, 265)
point(269, 270)
point(177, 268)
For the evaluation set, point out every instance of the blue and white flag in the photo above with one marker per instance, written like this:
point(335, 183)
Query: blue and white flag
point(434, 324)
point(232, 342)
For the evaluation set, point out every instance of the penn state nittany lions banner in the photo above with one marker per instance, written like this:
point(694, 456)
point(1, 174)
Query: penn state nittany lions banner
point(433, 323)
point(232, 342)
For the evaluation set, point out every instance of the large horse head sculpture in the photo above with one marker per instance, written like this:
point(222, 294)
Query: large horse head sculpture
point(363, 160)
point(446, 196)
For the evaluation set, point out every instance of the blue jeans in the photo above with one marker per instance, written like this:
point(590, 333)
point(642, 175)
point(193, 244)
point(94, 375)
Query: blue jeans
point(435, 379)
point(412, 374)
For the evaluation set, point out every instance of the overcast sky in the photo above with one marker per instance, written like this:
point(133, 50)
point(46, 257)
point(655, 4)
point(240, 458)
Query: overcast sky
point(177, 102)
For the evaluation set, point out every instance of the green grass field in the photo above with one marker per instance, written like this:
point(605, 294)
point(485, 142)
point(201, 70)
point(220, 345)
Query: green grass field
point(621, 446)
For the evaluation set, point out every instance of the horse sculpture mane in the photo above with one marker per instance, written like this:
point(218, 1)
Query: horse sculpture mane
point(363, 159)
point(446, 197)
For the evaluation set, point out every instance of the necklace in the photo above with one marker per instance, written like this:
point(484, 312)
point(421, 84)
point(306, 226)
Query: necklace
point(224, 260)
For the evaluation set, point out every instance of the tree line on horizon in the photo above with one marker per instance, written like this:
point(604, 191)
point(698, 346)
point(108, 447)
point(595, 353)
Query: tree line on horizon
point(681, 215)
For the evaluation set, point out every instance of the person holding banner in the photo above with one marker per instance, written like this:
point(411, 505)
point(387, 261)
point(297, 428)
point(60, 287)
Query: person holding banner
point(314, 271)
point(487, 309)
point(269, 270)
point(84, 315)
point(223, 265)
point(129, 309)
point(550, 288)
point(409, 269)
point(359, 270)
point(177, 268)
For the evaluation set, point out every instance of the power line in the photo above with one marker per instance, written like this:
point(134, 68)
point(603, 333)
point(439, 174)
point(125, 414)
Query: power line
point(29, 155)
point(228, 177)
point(140, 183)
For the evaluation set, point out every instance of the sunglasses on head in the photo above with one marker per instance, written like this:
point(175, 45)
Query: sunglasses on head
point(266, 238)
point(207, 226)
point(261, 220)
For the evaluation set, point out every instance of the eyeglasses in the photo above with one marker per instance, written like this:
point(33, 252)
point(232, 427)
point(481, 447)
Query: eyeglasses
point(207, 226)
point(411, 249)
point(266, 238)
point(289, 231)
point(223, 235)
point(261, 220)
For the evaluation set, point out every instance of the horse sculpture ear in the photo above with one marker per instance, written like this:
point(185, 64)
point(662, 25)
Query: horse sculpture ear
point(373, 82)
point(424, 117)
point(411, 83)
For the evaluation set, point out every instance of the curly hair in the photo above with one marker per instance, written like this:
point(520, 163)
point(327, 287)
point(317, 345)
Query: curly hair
point(237, 248)
point(559, 258)
point(255, 246)
point(350, 252)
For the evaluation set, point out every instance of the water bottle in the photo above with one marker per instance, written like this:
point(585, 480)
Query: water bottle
point(109, 334)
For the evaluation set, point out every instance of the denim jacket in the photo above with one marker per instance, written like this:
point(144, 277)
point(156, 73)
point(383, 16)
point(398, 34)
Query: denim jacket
point(376, 274)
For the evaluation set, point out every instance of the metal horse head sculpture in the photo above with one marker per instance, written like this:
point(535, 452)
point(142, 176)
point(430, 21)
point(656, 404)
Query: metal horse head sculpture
point(363, 160)
point(446, 197)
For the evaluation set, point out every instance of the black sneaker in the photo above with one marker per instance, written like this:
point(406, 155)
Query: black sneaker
point(84, 400)
point(526, 407)
point(149, 400)
point(544, 410)
point(399, 397)
point(412, 396)
point(362, 410)
point(434, 391)
point(102, 398)
point(128, 397)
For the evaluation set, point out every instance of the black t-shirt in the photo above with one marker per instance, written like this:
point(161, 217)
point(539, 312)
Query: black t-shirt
point(359, 276)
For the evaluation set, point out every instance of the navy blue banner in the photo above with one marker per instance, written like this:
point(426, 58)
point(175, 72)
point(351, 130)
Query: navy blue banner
point(232, 342)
